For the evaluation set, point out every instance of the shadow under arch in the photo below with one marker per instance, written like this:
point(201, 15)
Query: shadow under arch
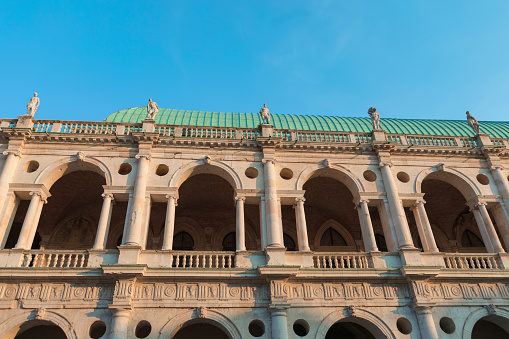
point(342, 230)
point(451, 176)
point(196, 316)
point(337, 172)
point(477, 315)
point(12, 325)
point(198, 167)
point(58, 169)
point(371, 322)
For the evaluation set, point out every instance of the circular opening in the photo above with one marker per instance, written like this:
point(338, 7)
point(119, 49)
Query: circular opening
point(162, 169)
point(301, 327)
point(97, 329)
point(447, 325)
point(256, 328)
point(286, 173)
point(483, 180)
point(369, 175)
point(31, 166)
point(125, 169)
point(404, 326)
point(403, 177)
point(143, 329)
point(251, 172)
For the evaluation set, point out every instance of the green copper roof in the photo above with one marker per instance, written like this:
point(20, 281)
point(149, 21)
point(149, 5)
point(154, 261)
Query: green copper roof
point(496, 129)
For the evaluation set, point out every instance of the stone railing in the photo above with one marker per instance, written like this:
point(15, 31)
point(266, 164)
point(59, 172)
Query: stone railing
point(342, 260)
point(194, 259)
point(472, 261)
point(54, 258)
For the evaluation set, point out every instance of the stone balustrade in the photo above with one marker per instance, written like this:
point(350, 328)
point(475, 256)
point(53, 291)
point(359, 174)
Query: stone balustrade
point(191, 259)
point(54, 258)
point(342, 260)
point(472, 261)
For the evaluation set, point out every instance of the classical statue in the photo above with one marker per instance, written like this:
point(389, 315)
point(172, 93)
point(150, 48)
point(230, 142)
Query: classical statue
point(375, 117)
point(472, 122)
point(152, 109)
point(33, 104)
point(264, 112)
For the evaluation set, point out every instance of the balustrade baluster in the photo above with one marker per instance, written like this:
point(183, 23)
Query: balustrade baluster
point(336, 261)
point(216, 265)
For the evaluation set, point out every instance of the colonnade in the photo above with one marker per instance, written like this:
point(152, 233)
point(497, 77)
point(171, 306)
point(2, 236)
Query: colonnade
point(392, 215)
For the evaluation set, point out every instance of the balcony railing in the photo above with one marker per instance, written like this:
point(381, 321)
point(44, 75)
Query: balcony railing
point(474, 262)
point(202, 259)
point(62, 259)
point(338, 260)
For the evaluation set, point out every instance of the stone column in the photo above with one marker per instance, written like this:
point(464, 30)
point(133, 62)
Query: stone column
point(388, 226)
point(424, 227)
point(119, 322)
point(397, 212)
point(146, 222)
point(138, 204)
point(26, 229)
point(302, 230)
point(368, 236)
point(279, 322)
point(482, 229)
point(104, 222)
point(274, 227)
point(35, 224)
point(502, 183)
point(10, 165)
point(427, 325)
point(169, 224)
point(127, 218)
point(263, 224)
point(8, 218)
point(241, 229)
point(490, 229)
point(502, 219)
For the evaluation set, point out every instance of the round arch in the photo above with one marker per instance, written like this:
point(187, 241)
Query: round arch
point(362, 317)
point(337, 172)
point(477, 315)
point(12, 325)
point(199, 315)
point(198, 167)
point(58, 169)
point(338, 227)
point(192, 227)
point(461, 182)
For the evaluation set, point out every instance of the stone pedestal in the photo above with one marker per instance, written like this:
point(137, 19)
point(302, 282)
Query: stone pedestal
point(129, 254)
point(149, 126)
point(25, 121)
point(267, 130)
point(483, 139)
point(275, 255)
point(378, 135)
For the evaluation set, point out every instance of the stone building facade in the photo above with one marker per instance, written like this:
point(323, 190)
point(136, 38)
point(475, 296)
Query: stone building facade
point(210, 225)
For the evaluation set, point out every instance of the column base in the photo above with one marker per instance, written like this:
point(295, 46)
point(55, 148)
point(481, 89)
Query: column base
point(275, 255)
point(14, 257)
point(410, 256)
point(129, 254)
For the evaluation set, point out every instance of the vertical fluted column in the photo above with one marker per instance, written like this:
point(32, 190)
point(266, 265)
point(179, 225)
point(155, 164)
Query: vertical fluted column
point(263, 224)
point(279, 322)
point(169, 224)
point(424, 227)
point(427, 325)
point(119, 322)
point(368, 236)
point(138, 203)
point(274, 227)
point(490, 229)
point(482, 229)
point(104, 222)
point(302, 230)
point(29, 220)
point(396, 208)
point(241, 230)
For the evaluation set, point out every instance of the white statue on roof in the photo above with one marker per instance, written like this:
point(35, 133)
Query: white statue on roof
point(33, 104)
point(472, 122)
point(265, 114)
point(375, 118)
point(152, 109)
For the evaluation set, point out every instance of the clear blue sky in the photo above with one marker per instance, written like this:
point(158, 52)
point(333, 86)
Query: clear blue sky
point(410, 59)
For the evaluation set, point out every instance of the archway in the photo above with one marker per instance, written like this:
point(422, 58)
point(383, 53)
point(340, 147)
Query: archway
point(491, 327)
point(195, 329)
point(348, 330)
point(40, 329)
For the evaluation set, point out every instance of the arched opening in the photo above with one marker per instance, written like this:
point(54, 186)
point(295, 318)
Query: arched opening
point(183, 241)
point(39, 329)
point(350, 329)
point(229, 242)
point(200, 330)
point(491, 327)
point(289, 242)
point(332, 221)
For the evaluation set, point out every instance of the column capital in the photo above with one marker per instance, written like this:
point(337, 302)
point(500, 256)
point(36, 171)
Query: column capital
point(422, 309)
point(108, 195)
point(273, 161)
point(146, 156)
point(480, 203)
point(171, 196)
point(238, 199)
point(384, 164)
point(496, 167)
point(15, 153)
point(300, 199)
